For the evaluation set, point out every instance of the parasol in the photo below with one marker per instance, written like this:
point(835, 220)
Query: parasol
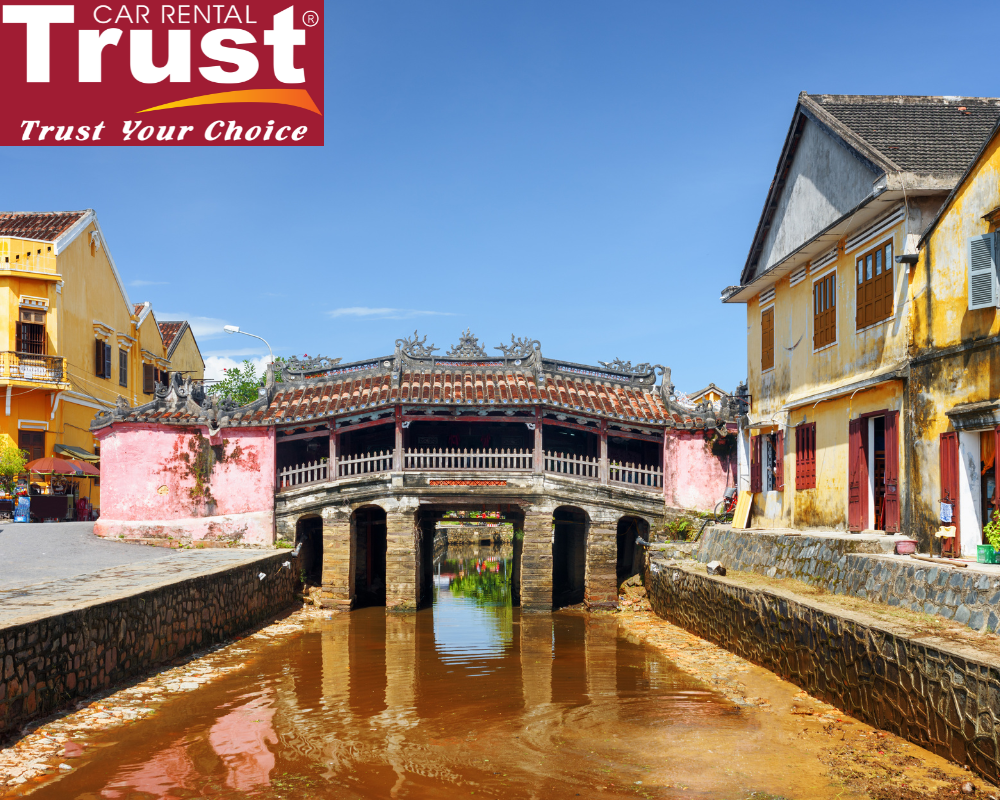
point(53, 466)
point(86, 468)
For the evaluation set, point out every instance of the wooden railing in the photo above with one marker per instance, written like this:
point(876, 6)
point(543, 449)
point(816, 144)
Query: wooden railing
point(588, 467)
point(636, 475)
point(488, 460)
point(364, 464)
point(299, 474)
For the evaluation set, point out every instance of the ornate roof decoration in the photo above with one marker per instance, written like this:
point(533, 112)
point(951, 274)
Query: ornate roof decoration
point(468, 347)
point(518, 380)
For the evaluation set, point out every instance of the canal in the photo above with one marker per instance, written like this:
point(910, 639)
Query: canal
point(468, 698)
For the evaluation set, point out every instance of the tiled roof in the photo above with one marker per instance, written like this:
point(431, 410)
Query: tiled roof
point(919, 134)
point(137, 307)
point(169, 330)
point(45, 226)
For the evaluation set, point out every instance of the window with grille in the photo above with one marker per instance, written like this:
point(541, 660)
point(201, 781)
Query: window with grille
point(31, 332)
point(805, 456)
point(122, 368)
point(875, 285)
point(825, 311)
point(767, 339)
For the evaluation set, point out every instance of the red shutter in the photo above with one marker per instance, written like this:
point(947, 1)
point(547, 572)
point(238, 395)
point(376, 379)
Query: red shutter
point(996, 468)
point(892, 472)
point(856, 457)
point(949, 487)
point(755, 464)
point(779, 462)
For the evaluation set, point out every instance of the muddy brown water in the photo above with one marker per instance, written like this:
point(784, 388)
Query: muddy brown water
point(468, 698)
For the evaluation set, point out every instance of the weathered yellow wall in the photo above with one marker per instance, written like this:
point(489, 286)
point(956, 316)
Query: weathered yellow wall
point(800, 372)
point(941, 319)
point(187, 357)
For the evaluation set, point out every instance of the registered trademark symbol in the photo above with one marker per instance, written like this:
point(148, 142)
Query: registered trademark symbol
point(310, 18)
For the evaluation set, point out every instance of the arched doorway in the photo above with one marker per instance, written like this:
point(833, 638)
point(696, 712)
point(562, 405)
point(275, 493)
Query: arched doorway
point(368, 529)
point(309, 534)
point(569, 556)
point(629, 559)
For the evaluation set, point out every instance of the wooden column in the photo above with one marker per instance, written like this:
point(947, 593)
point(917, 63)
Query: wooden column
point(333, 470)
point(538, 458)
point(604, 452)
point(397, 456)
point(667, 479)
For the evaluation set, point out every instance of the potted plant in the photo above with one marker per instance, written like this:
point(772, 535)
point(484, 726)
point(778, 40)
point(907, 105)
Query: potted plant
point(987, 553)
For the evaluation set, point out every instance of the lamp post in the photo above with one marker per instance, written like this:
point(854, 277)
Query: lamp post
point(236, 329)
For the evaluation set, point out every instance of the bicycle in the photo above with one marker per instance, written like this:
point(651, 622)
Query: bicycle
point(725, 509)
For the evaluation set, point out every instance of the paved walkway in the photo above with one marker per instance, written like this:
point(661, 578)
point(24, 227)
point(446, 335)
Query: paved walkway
point(51, 568)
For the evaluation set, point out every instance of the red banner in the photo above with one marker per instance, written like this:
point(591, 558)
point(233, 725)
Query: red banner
point(93, 73)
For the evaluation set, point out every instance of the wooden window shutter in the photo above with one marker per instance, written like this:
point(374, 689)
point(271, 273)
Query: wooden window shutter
point(755, 465)
point(948, 456)
point(805, 456)
point(99, 358)
point(996, 470)
point(983, 288)
point(779, 461)
point(107, 360)
point(892, 472)
point(855, 456)
point(148, 379)
point(767, 339)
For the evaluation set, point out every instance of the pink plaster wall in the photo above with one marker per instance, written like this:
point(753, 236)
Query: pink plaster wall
point(694, 478)
point(147, 481)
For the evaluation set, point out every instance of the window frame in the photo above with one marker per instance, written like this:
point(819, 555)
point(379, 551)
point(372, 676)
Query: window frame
point(805, 456)
point(148, 378)
point(885, 250)
point(763, 312)
point(123, 368)
point(826, 276)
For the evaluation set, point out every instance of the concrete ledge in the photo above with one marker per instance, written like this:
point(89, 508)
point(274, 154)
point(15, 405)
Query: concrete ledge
point(940, 694)
point(859, 565)
point(256, 527)
point(55, 647)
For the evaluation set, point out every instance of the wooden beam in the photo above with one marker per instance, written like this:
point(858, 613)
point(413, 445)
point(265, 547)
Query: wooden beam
point(360, 425)
point(477, 418)
point(310, 435)
point(644, 437)
point(574, 425)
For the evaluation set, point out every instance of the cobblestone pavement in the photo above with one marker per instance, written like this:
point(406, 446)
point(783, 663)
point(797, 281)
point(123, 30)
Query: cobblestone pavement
point(23, 603)
point(47, 551)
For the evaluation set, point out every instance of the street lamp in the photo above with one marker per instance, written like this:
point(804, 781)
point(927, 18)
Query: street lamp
point(236, 329)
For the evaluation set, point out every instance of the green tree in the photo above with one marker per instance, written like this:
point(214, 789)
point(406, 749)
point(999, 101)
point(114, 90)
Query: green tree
point(12, 463)
point(241, 383)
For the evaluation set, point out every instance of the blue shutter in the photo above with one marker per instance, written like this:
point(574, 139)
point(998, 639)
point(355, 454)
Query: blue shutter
point(983, 291)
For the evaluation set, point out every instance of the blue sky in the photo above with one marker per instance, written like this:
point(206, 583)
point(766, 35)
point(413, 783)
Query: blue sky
point(589, 174)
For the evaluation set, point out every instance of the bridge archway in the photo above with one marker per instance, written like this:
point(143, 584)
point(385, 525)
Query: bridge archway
point(569, 555)
point(309, 534)
point(368, 531)
point(629, 555)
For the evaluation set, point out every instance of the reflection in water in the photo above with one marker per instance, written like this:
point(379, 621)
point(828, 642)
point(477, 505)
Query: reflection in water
point(468, 697)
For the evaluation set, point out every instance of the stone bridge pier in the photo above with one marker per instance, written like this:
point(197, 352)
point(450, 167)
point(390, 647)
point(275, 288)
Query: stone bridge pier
point(378, 549)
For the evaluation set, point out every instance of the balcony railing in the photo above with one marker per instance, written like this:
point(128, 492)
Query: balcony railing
point(21, 257)
point(633, 476)
point(588, 467)
point(300, 474)
point(29, 367)
point(636, 476)
point(470, 460)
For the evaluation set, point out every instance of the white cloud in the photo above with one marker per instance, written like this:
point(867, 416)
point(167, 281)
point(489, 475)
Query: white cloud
point(236, 352)
point(148, 283)
point(203, 327)
point(385, 313)
point(214, 365)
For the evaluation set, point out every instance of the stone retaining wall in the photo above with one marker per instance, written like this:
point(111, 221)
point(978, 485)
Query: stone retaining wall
point(936, 694)
point(51, 661)
point(859, 567)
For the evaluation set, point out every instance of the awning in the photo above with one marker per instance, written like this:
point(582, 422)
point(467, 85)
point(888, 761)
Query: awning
point(77, 452)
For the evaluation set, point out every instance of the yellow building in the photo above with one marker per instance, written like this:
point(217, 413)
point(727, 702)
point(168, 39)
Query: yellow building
point(711, 394)
point(73, 340)
point(954, 381)
point(827, 285)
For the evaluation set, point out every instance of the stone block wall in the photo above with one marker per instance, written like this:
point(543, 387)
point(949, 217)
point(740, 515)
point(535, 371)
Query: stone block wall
point(602, 564)
point(923, 689)
point(402, 581)
point(536, 562)
point(49, 662)
point(860, 568)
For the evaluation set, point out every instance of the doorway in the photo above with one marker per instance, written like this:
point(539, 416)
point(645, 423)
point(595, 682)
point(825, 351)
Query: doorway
point(629, 555)
point(873, 468)
point(369, 530)
point(309, 534)
point(569, 556)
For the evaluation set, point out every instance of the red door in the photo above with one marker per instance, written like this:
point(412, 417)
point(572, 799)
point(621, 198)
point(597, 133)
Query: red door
point(857, 486)
point(755, 464)
point(949, 488)
point(892, 472)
